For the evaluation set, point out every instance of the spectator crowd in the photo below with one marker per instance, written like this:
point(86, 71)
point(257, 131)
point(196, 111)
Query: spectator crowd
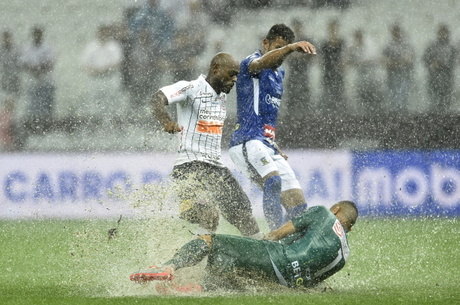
point(372, 94)
point(132, 57)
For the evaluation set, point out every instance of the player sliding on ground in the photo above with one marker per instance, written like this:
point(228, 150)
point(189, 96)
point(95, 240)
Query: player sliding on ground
point(303, 252)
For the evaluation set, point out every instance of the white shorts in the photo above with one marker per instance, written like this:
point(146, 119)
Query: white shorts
point(254, 159)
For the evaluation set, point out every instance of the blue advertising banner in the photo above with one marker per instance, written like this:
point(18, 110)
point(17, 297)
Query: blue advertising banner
point(407, 183)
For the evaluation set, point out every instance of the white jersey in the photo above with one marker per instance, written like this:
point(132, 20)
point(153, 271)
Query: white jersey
point(201, 112)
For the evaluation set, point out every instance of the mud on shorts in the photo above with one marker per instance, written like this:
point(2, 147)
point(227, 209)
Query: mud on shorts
point(204, 189)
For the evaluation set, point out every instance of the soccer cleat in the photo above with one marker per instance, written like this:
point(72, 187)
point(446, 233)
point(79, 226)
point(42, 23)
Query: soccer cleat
point(153, 273)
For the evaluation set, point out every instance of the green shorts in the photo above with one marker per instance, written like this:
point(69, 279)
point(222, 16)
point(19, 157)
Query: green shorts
point(234, 254)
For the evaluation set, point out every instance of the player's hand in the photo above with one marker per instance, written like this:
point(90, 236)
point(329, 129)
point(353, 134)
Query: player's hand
point(172, 127)
point(303, 47)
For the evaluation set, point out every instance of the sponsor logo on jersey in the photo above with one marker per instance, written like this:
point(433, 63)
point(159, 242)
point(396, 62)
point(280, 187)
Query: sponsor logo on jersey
point(208, 115)
point(264, 161)
point(202, 94)
point(271, 100)
point(338, 229)
point(180, 91)
point(297, 271)
point(210, 127)
point(208, 97)
point(213, 157)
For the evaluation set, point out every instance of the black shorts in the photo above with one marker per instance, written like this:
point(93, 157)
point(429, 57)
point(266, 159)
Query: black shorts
point(203, 187)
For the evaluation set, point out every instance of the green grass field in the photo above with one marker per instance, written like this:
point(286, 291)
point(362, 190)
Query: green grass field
point(393, 261)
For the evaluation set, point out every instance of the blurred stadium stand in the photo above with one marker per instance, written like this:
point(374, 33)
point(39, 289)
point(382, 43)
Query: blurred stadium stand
point(79, 126)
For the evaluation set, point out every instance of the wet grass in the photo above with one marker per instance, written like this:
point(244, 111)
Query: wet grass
point(393, 261)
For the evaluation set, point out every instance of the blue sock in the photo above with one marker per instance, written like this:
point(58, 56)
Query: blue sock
point(272, 202)
point(295, 211)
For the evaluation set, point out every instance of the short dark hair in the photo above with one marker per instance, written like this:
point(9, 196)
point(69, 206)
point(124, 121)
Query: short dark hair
point(351, 204)
point(351, 209)
point(281, 30)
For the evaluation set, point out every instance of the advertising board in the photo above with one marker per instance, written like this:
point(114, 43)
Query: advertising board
point(382, 183)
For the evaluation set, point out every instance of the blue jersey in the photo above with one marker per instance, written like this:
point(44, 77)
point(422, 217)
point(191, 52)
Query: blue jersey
point(258, 103)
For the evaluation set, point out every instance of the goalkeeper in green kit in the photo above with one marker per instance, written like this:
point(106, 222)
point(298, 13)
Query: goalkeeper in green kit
point(303, 252)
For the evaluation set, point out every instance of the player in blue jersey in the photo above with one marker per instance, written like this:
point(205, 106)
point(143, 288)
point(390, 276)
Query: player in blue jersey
point(252, 146)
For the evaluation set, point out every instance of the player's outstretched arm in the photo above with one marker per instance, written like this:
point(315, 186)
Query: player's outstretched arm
point(159, 102)
point(274, 58)
point(283, 231)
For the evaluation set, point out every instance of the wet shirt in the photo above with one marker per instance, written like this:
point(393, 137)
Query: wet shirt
point(258, 103)
point(201, 112)
point(318, 249)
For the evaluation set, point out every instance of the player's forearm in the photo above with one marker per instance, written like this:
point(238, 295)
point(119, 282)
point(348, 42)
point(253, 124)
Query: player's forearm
point(160, 112)
point(271, 60)
point(283, 231)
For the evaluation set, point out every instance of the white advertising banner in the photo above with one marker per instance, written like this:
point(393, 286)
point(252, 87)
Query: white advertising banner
point(382, 183)
point(98, 185)
point(75, 185)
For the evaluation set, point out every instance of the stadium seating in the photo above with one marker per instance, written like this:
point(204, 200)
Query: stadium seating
point(70, 25)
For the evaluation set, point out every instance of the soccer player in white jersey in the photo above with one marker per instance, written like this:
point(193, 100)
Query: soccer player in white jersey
point(205, 184)
point(252, 146)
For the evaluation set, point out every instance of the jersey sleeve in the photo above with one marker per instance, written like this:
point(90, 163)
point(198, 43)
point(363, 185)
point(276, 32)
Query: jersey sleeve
point(177, 92)
point(312, 215)
point(244, 65)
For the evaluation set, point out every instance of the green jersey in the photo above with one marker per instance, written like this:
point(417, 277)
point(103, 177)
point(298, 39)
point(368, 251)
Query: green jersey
point(318, 249)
